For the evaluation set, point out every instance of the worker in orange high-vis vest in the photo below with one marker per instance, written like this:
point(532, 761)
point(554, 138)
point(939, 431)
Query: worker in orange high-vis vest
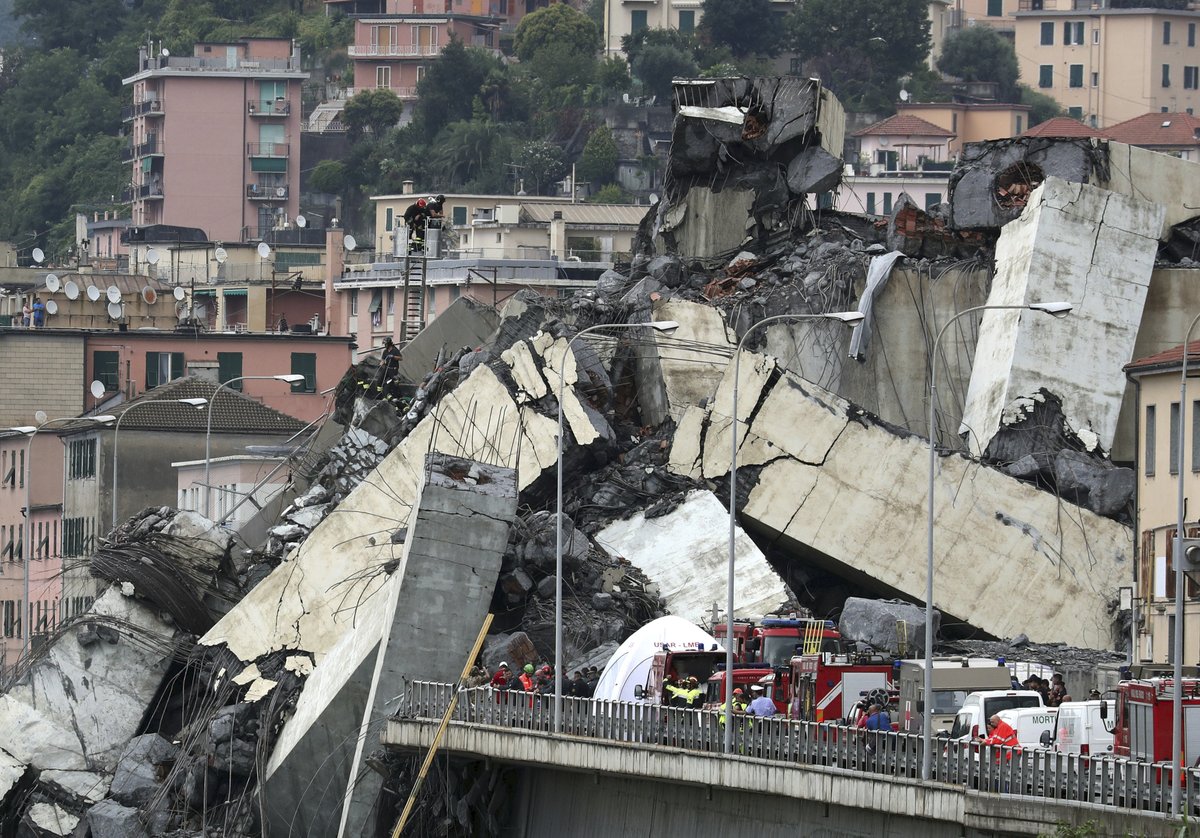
point(1001, 733)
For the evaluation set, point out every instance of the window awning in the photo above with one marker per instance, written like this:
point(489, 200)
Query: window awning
point(376, 302)
point(234, 292)
point(203, 292)
point(268, 164)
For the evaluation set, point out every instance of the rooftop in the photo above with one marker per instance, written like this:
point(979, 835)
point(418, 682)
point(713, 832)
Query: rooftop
point(1157, 129)
point(1166, 359)
point(629, 215)
point(904, 125)
point(1061, 126)
point(233, 412)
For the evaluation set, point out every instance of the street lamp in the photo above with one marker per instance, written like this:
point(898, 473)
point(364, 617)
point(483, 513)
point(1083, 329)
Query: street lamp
point(847, 318)
point(666, 327)
point(31, 431)
point(290, 378)
point(1056, 310)
point(195, 402)
point(1177, 557)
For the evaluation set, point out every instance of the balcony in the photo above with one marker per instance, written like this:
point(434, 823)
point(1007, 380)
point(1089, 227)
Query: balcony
point(150, 107)
point(151, 148)
point(394, 50)
point(259, 107)
point(401, 92)
point(1060, 5)
point(143, 192)
point(259, 192)
point(267, 150)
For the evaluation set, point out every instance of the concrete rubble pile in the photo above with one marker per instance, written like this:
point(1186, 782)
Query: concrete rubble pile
point(437, 502)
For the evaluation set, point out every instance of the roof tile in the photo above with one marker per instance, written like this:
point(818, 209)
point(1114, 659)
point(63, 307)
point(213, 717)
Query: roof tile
point(1157, 129)
point(1062, 126)
point(904, 125)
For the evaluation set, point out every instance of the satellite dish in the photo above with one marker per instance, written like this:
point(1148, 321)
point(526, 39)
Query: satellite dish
point(220, 255)
point(51, 307)
point(350, 242)
point(40, 417)
point(114, 311)
point(264, 250)
point(904, 94)
point(149, 296)
point(113, 293)
point(97, 389)
point(301, 221)
point(178, 293)
point(71, 289)
point(38, 255)
point(281, 192)
point(152, 256)
point(653, 199)
point(165, 53)
point(52, 283)
point(93, 293)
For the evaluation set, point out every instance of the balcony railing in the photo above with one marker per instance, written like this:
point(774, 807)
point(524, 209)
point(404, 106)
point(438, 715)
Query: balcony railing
point(1060, 5)
point(402, 92)
point(147, 191)
point(149, 148)
point(394, 50)
point(150, 107)
point(259, 107)
point(267, 149)
point(259, 192)
point(285, 235)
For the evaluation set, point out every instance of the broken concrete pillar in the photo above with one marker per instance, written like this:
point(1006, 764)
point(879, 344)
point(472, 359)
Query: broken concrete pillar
point(136, 777)
point(679, 370)
point(890, 626)
point(850, 496)
point(1074, 243)
point(686, 553)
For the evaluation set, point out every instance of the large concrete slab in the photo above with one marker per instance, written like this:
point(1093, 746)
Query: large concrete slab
point(682, 369)
point(1081, 244)
point(851, 495)
point(686, 553)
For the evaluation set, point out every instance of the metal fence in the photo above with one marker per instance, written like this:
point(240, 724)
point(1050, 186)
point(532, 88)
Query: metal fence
point(1037, 772)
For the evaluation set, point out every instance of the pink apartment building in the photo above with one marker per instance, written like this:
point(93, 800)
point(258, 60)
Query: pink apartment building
point(214, 138)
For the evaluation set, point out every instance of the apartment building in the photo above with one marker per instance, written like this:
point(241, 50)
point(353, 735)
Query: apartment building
point(1105, 65)
point(214, 137)
point(969, 122)
point(1156, 384)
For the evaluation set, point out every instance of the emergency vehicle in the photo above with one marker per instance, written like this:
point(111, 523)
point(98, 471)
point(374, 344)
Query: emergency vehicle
point(1143, 728)
point(776, 640)
point(826, 686)
point(679, 661)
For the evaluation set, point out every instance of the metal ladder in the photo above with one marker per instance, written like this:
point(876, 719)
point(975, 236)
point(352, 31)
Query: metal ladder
point(412, 297)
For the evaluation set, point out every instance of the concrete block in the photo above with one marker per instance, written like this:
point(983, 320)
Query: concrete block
point(109, 819)
point(136, 777)
point(50, 819)
point(673, 376)
point(686, 554)
point(885, 623)
point(1075, 243)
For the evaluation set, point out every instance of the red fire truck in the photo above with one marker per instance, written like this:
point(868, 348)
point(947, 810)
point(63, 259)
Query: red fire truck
point(776, 640)
point(679, 661)
point(1143, 729)
point(826, 686)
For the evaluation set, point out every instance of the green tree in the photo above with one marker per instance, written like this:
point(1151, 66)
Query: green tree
point(598, 163)
point(448, 90)
point(70, 23)
point(980, 53)
point(611, 194)
point(657, 65)
point(747, 27)
point(633, 44)
point(541, 164)
point(861, 48)
point(328, 176)
point(374, 109)
point(1042, 106)
point(557, 24)
point(463, 151)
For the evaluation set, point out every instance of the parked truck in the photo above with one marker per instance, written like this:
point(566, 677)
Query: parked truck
point(953, 680)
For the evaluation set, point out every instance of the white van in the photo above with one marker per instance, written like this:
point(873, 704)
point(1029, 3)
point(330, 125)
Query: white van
point(1080, 729)
point(1031, 723)
point(978, 707)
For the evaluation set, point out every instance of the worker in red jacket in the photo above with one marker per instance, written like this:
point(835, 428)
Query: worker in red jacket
point(1001, 733)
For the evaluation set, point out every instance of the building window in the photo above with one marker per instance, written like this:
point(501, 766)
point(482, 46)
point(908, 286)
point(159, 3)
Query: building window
point(1048, 34)
point(229, 367)
point(1076, 75)
point(81, 459)
point(1095, 79)
point(1020, 125)
point(383, 77)
point(305, 364)
point(1075, 113)
point(106, 367)
point(162, 367)
point(995, 8)
point(1191, 34)
point(1096, 36)
point(354, 303)
point(1166, 32)
point(637, 21)
point(458, 216)
point(1166, 75)
point(391, 301)
point(887, 202)
point(1073, 33)
point(1150, 453)
point(1046, 75)
point(687, 21)
point(932, 199)
point(1174, 442)
point(870, 203)
point(387, 223)
point(1191, 78)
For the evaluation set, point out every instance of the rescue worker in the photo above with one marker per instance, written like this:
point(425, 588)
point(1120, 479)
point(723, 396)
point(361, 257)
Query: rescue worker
point(525, 679)
point(1003, 734)
point(694, 693)
point(389, 363)
point(414, 218)
point(762, 704)
point(500, 676)
point(738, 706)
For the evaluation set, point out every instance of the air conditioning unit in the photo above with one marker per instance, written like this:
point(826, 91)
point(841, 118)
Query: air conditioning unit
point(484, 216)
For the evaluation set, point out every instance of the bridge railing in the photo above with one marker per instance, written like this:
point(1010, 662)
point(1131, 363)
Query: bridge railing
point(1037, 772)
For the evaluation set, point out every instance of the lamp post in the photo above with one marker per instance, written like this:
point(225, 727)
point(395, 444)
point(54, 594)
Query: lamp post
point(194, 402)
point(666, 327)
point(290, 378)
point(848, 318)
point(31, 431)
point(1057, 310)
point(1177, 557)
